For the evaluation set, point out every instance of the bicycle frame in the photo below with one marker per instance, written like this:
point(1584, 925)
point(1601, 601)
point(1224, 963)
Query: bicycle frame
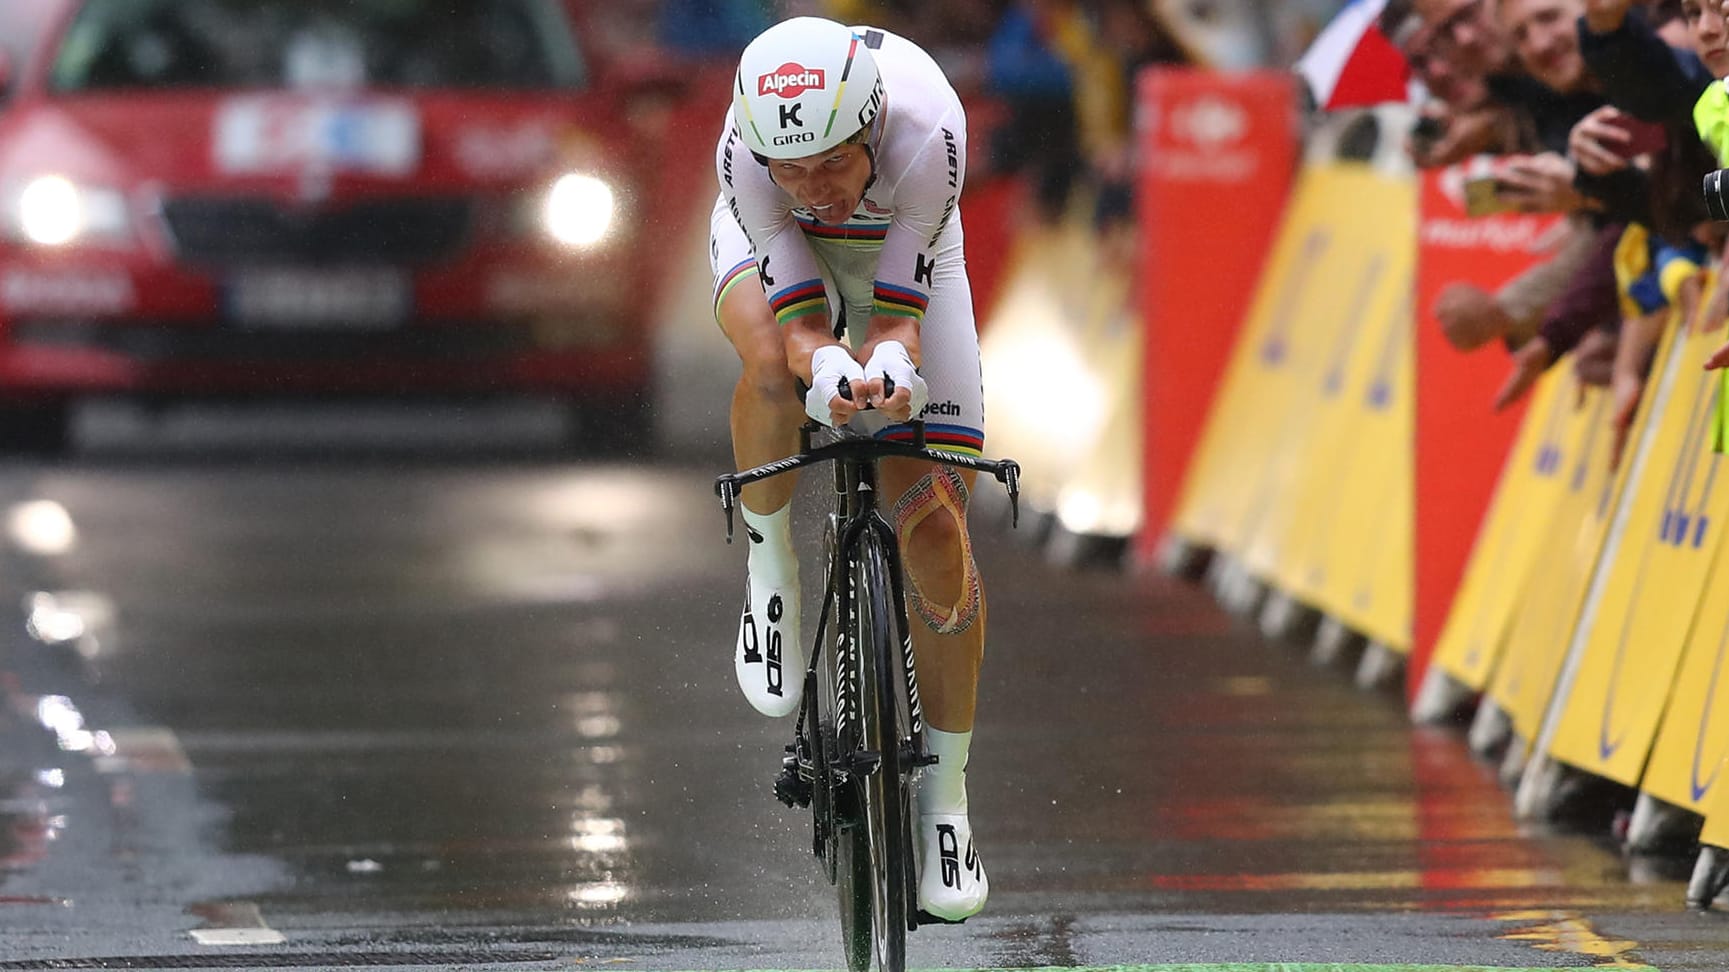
point(855, 459)
point(823, 760)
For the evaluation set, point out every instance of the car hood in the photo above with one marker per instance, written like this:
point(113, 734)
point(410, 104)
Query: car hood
point(248, 138)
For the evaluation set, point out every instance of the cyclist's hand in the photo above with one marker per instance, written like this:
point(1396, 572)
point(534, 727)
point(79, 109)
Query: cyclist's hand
point(910, 393)
point(828, 365)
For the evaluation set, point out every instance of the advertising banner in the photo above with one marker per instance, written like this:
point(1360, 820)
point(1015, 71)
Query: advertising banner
point(1218, 154)
point(1461, 443)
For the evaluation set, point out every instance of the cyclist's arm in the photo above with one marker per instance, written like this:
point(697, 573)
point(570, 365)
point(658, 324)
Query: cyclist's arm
point(803, 337)
point(786, 267)
point(927, 193)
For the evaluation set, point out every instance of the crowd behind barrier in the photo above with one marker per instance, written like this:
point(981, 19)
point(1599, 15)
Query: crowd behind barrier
point(1525, 512)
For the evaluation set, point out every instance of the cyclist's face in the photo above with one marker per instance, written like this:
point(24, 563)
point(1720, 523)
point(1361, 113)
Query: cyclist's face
point(830, 184)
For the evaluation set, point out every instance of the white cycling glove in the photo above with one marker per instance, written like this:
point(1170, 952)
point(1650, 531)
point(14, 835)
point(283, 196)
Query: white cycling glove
point(891, 358)
point(828, 365)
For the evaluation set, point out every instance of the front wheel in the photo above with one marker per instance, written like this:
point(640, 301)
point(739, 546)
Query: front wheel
point(883, 832)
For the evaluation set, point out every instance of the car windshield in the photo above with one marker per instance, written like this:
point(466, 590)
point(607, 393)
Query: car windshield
point(151, 44)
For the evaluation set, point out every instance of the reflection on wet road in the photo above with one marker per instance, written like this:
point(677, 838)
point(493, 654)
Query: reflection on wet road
point(485, 713)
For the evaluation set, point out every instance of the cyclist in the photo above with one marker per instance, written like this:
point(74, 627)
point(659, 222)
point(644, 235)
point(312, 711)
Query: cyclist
point(841, 166)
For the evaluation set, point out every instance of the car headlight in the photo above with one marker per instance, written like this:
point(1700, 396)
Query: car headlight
point(579, 210)
point(53, 210)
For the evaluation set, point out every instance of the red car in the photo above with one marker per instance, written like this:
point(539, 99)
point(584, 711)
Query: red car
point(261, 197)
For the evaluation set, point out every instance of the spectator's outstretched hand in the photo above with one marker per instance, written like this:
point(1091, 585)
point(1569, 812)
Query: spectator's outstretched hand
point(1594, 360)
point(1605, 16)
point(1718, 359)
point(1540, 184)
point(1625, 391)
point(1529, 362)
point(1596, 140)
point(1687, 298)
point(1463, 134)
point(1469, 316)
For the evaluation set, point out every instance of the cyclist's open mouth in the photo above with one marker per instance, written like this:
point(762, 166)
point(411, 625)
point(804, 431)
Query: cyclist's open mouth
point(830, 213)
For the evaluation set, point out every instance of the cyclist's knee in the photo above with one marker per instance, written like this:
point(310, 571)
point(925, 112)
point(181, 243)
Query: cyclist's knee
point(942, 579)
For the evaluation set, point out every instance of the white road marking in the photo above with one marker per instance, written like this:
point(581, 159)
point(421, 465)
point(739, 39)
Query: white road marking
point(237, 936)
point(234, 923)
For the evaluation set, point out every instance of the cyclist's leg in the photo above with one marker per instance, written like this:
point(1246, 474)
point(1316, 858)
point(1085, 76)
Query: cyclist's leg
point(945, 597)
point(946, 611)
point(765, 419)
point(766, 411)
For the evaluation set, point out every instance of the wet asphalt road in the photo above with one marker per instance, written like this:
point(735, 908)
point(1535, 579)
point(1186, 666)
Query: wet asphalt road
point(460, 708)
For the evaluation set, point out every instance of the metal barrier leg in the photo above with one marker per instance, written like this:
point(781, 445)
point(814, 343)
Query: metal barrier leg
point(1552, 791)
point(1441, 699)
point(1381, 669)
point(1336, 645)
point(1660, 827)
point(1710, 877)
point(1284, 618)
point(1183, 558)
point(1491, 731)
point(1513, 761)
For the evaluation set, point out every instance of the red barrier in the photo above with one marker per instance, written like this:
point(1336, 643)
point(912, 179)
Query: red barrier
point(1218, 153)
point(1461, 442)
point(992, 202)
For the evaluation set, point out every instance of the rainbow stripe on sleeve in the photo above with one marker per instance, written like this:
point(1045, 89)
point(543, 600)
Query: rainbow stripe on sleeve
point(798, 300)
point(953, 438)
point(861, 235)
point(729, 280)
point(899, 301)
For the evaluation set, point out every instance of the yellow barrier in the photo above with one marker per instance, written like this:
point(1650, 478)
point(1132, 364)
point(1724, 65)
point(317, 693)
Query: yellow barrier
point(1565, 556)
point(1335, 527)
point(1691, 746)
point(1594, 608)
point(1629, 656)
point(1282, 418)
point(1366, 551)
point(1510, 541)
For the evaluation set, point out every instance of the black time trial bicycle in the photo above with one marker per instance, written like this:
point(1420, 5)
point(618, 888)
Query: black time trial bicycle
point(858, 742)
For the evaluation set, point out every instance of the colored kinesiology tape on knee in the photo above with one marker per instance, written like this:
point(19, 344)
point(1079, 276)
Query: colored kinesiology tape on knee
point(940, 491)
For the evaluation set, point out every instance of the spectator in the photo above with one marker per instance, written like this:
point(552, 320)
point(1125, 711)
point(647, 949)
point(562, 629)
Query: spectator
point(1029, 74)
point(1136, 40)
point(1648, 72)
point(1468, 36)
point(1456, 118)
point(711, 28)
point(1567, 297)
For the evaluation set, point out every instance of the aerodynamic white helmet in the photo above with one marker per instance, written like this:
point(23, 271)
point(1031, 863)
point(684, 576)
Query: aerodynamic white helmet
point(804, 86)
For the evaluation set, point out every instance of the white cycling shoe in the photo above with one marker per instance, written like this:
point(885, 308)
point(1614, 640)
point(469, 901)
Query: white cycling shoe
point(769, 656)
point(952, 885)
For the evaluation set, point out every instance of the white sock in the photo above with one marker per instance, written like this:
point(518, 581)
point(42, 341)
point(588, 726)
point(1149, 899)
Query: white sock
point(943, 788)
point(771, 558)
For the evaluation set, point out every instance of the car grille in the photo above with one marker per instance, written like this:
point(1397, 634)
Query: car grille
point(227, 231)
